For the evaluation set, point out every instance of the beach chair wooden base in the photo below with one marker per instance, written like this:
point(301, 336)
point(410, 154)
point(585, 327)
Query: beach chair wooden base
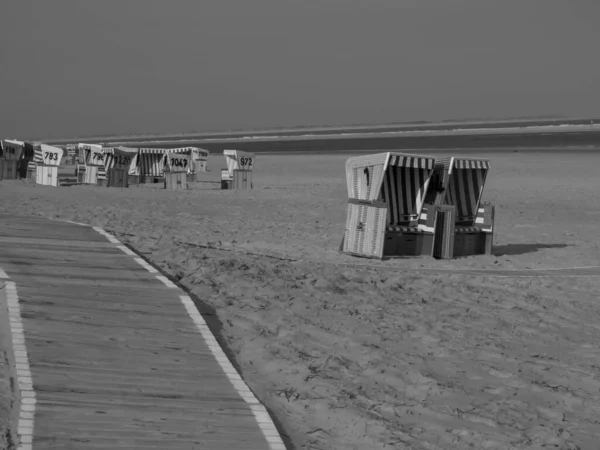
point(47, 175)
point(445, 224)
point(117, 178)
point(31, 174)
point(242, 179)
point(8, 169)
point(368, 235)
point(175, 181)
point(133, 180)
point(455, 241)
point(151, 179)
point(87, 174)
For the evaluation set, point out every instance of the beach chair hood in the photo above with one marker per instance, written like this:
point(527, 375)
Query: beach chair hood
point(234, 160)
point(397, 179)
point(464, 186)
point(12, 150)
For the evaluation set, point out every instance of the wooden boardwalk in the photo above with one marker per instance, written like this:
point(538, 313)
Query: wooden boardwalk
point(115, 357)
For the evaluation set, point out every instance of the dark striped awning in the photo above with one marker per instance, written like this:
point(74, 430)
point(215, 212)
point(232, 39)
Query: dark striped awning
point(465, 188)
point(415, 162)
point(404, 186)
point(162, 151)
point(153, 151)
point(471, 164)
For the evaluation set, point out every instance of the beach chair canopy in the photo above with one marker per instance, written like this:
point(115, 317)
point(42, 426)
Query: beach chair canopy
point(200, 153)
point(397, 179)
point(48, 154)
point(119, 157)
point(178, 162)
point(85, 151)
point(464, 187)
point(151, 161)
point(11, 149)
point(237, 159)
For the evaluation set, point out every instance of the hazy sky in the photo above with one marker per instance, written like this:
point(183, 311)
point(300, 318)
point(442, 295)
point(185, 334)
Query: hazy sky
point(85, 67)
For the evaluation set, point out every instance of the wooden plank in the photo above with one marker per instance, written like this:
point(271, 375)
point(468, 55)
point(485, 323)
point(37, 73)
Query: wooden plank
point(47, 281)
point(22, 240)
point(83, 273)
point(100, 297)
point(91, 402)
point(164, 372)
point(59, 249)
point(114, 262)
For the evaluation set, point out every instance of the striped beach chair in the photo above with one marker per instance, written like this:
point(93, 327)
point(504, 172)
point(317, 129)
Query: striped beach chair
point(386, 194)
point(151, 162)
point(86, 170)
point(459, 183)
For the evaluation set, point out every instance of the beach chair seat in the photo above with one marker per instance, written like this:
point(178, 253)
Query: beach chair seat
point(385, 215)
point(459, 182)
point(398, 229)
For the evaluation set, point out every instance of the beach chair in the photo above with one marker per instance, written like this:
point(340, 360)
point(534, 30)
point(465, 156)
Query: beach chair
point(238, 174)
point(458, 184)
point(385, 201)
point(11, 153)
point(117, 165)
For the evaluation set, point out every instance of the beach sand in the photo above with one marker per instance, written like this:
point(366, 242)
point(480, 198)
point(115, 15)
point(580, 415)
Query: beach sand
point(347, 357)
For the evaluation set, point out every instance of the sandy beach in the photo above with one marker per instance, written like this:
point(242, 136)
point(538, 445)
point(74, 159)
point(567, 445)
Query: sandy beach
point(348, 357)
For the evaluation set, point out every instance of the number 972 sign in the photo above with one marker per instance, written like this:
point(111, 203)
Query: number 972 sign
point(245, 161)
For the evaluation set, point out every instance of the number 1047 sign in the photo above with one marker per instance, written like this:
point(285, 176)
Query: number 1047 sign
point(178, 162)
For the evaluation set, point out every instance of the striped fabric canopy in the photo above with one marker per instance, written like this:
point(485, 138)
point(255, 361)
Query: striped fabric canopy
point(110, 152)
point(37, 154)
point(417, 162)
point(404, 187)
point(471, 164)
point(151, 161)
point(465, 187)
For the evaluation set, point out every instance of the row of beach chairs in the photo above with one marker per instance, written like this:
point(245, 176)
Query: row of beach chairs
point(408, 205)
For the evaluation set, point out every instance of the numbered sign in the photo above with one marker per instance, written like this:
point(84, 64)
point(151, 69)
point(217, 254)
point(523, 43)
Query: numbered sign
point(122, 159)
point(51, 156)
point(245, 160)
point(177, 162)
point(96, 157)
point(11, 150)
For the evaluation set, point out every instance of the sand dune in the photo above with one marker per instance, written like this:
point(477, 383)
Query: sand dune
point(353, 358)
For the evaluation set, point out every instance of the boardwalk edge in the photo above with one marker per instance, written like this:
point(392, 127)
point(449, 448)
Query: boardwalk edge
point(262, 416)
point(23, 371)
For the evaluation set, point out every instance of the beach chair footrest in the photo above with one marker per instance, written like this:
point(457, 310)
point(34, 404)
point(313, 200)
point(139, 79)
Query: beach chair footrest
point(413, 243)
point(402, 229)
point(468, 230)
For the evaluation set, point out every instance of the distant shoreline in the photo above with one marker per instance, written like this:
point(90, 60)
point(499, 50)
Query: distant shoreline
point(335, 132)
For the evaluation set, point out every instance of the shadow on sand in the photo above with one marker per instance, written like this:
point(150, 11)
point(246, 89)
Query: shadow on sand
point(520, 249)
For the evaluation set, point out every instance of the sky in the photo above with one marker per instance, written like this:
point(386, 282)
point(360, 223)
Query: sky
point(84, 67)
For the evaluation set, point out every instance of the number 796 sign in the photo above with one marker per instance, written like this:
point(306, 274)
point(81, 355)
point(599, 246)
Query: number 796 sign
point(96, 157)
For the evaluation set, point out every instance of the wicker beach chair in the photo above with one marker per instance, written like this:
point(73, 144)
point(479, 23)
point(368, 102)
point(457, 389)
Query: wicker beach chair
point(386, 192)
point(238, 174)
point(458, 186)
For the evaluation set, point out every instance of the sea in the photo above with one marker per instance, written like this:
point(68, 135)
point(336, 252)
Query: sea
point(575, 135)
